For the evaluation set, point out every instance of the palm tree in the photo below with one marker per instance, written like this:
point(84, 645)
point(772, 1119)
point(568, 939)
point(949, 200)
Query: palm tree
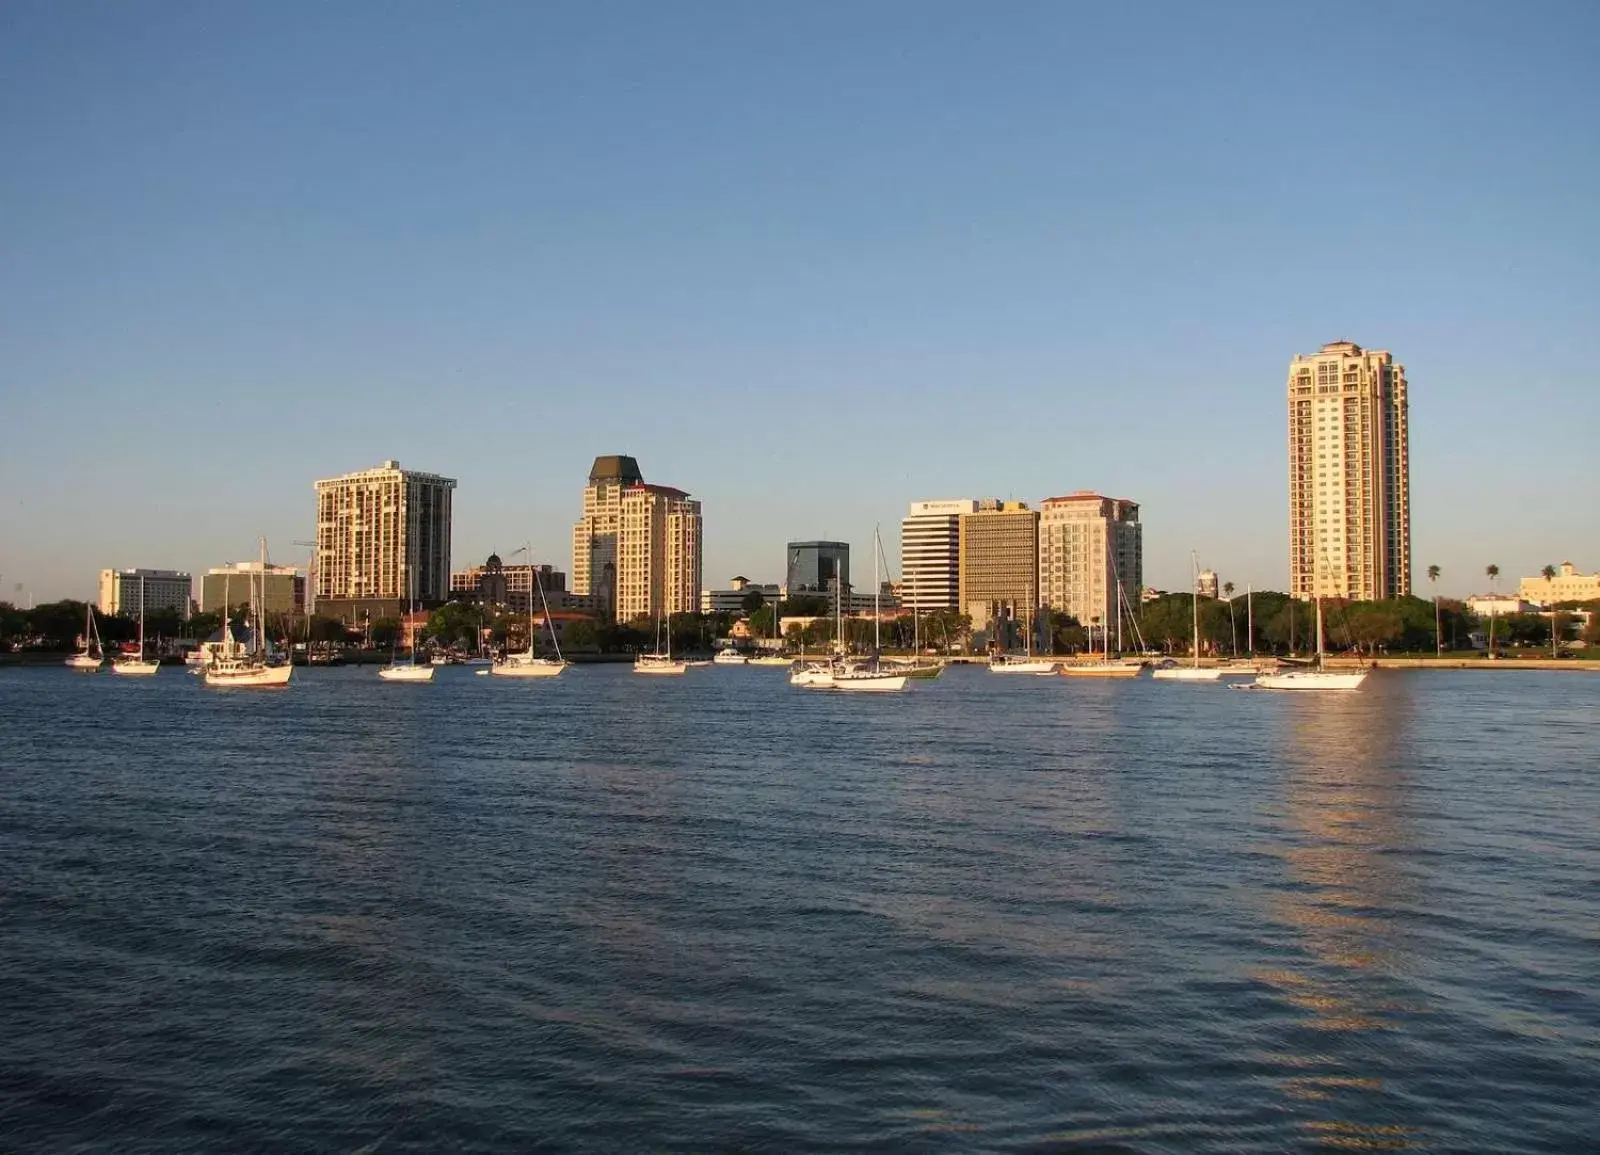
point(1233, 627)
point(1494, 573)
point(1549, 574)
point(1438, 636)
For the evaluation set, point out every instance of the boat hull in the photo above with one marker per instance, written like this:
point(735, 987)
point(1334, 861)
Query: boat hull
point(253, 678)
point(1099, 670)
point(1188, 674)
point(1311, 680)
point(406, 673)
point(1022, 667)
point(660, 668)
point(539, 669)
point(135, 668)
point(869, 683)
point(85, 663)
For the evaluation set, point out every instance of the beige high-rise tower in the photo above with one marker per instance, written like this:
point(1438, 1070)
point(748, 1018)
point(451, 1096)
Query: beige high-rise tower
point(383, 534)
point(637, 546)
point(1088, 546)
point(1349, 475)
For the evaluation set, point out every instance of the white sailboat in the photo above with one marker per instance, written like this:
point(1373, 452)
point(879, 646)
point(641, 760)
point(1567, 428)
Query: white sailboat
point(93, 654)
point(530, 664)
point(661, 660)
point(869, 677)
point(1105, 666)
point(819, 675)
point(140, 666)
point(409, 671)
point(234, 666)
point(729, 657)
point(1195, 672)
point(1317, 678)
point(1027, 664)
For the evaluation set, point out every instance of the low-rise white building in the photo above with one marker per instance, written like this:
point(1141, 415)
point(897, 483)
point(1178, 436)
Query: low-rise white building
point(1499, 605)
point(163, 589)
point(731, 600)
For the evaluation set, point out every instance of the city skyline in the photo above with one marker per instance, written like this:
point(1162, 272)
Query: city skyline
point(770, 568)
point(829, 266)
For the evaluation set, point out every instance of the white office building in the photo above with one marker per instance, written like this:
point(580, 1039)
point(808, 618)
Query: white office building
point(930, 553)
point(164, 589)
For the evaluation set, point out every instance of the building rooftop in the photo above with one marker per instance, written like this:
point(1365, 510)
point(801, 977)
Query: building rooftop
point(616, 467)
point(663, 490)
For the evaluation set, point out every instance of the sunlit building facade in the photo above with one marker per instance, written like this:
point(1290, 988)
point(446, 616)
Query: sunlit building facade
point(1349, 475)
point(383, 535)
point(1091, 556)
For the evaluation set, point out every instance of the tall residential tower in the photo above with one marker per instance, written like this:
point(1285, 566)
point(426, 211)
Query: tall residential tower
point(383, 537)
point(1088, 546)
point(637, 546)
point(1349, 475)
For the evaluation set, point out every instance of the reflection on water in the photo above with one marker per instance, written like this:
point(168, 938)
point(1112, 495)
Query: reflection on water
point(1344, 790)
point(717, 912)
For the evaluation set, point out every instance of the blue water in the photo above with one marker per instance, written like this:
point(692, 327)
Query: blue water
point(614, 913)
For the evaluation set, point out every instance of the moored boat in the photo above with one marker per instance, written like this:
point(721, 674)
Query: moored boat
point(236, 666)
point(529, 664)
point(1109, 668)
point(93, 654)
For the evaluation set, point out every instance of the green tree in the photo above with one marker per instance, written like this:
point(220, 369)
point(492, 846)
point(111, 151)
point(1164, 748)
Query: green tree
point(752, 601)
point(805, 606)
point(583, 635)
point(385, 632)
point(457, 624)
point(1591, 631)
point(1168, 622)
point(761, 621)
point(58, 624)
point(328, 631)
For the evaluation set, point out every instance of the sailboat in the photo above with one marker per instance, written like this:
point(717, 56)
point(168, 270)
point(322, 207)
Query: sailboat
point(1195, 672)
point(1027, 664)
point(140, 666)
point(236, 666)
point(819, 675)
point(1316, 678)
point(870, 677)
point(660, 661)
point(529, 664)
point(93, 654)
point(1105, 666)
point(410, 671)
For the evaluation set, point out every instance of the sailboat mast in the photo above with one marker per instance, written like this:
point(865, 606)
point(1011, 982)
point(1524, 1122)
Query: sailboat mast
point(1319, 631)
point(1116, 580)
point(1249, 621)
point(1194, 604)
point(141, 617)
point(877, 586)
point(258, 603)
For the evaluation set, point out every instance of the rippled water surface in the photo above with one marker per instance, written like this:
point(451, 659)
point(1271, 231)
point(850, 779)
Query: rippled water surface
point(617, 913)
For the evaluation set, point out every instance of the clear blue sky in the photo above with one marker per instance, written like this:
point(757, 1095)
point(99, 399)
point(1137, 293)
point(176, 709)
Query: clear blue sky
point(809, 262)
